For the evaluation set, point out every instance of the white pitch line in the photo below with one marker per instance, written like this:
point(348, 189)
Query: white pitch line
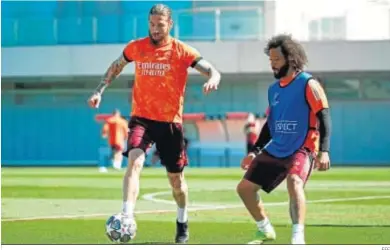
point(205, 208)
point(151, 197)
point(83, 216)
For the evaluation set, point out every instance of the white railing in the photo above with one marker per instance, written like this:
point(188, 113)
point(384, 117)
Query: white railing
point(214, 26)
point(209, 24)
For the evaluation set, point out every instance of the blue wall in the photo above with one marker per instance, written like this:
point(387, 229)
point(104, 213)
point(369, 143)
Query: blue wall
point(360, 134)
point(73, 22)
point(51, 129)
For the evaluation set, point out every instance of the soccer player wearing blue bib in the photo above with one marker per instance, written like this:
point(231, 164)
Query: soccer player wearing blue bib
point(296, 133)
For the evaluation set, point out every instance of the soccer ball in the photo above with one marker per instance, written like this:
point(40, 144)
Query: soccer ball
point(120, 229)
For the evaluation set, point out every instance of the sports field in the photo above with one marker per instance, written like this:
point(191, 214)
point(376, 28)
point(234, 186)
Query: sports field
point(71, 205)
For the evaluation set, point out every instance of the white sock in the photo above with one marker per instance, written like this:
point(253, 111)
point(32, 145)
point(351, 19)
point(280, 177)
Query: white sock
point(128, 208)
point(182, 215)
point(264, 225)
point(117, 164)
point(298, 229)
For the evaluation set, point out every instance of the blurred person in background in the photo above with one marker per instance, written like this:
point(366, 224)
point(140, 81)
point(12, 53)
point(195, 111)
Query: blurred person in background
point(115, 130)
point(250, 130)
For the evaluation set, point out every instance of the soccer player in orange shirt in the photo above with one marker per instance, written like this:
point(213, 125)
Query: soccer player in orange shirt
point(250, 132)
point(296, 132)
point(161, 64)
point(115, 130)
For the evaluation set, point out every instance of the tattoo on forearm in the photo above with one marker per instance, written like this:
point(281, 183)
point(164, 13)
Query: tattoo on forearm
point(114, 70)
point(101, 87)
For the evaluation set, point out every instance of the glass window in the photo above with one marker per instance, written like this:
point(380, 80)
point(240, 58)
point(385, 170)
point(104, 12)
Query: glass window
point(313, 30)
point(339, 28)
point(339, 88)
point(376, 89)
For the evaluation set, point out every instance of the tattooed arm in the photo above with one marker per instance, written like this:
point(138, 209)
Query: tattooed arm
point(207, 69)
point(112, 72)
point(128, 55)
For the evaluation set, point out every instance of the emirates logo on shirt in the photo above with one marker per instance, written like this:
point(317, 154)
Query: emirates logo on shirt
point(153, 69)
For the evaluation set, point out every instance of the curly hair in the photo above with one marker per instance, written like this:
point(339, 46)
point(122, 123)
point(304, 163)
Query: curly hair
point(291, 49)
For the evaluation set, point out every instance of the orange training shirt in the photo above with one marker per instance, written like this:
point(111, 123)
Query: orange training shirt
point(160, 78)
point(116, 130)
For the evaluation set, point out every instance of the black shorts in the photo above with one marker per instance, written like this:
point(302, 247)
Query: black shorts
point(156, 153)
point(268, 171)
point(169, 139)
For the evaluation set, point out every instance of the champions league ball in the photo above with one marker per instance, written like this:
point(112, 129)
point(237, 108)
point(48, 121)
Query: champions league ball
point(120, 229)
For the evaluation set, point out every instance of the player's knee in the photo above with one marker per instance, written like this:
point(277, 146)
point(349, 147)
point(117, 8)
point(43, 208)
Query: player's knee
point(180, 190)
point(178, 183)
point(244, 187)
point(294, 182)
point(136, 159)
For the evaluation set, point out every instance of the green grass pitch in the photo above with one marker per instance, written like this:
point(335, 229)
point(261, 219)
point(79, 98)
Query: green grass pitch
point(71, 205)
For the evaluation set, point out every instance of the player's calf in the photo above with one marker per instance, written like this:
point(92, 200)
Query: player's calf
point(301, 167)
point(131, 180)
point(180, 194)
point(179, 188)
point(295, 187)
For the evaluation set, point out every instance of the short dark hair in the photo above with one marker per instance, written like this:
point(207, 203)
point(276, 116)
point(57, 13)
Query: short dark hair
point(161, 9)
point(291, 49)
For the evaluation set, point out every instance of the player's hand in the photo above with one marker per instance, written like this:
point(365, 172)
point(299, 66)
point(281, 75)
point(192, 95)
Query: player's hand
point(210, 86)
point(323, 161)
point(94, 100)
point(246, 162)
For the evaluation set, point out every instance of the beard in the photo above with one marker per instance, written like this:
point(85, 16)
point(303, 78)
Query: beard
point(154, 41)
point(282, 71)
